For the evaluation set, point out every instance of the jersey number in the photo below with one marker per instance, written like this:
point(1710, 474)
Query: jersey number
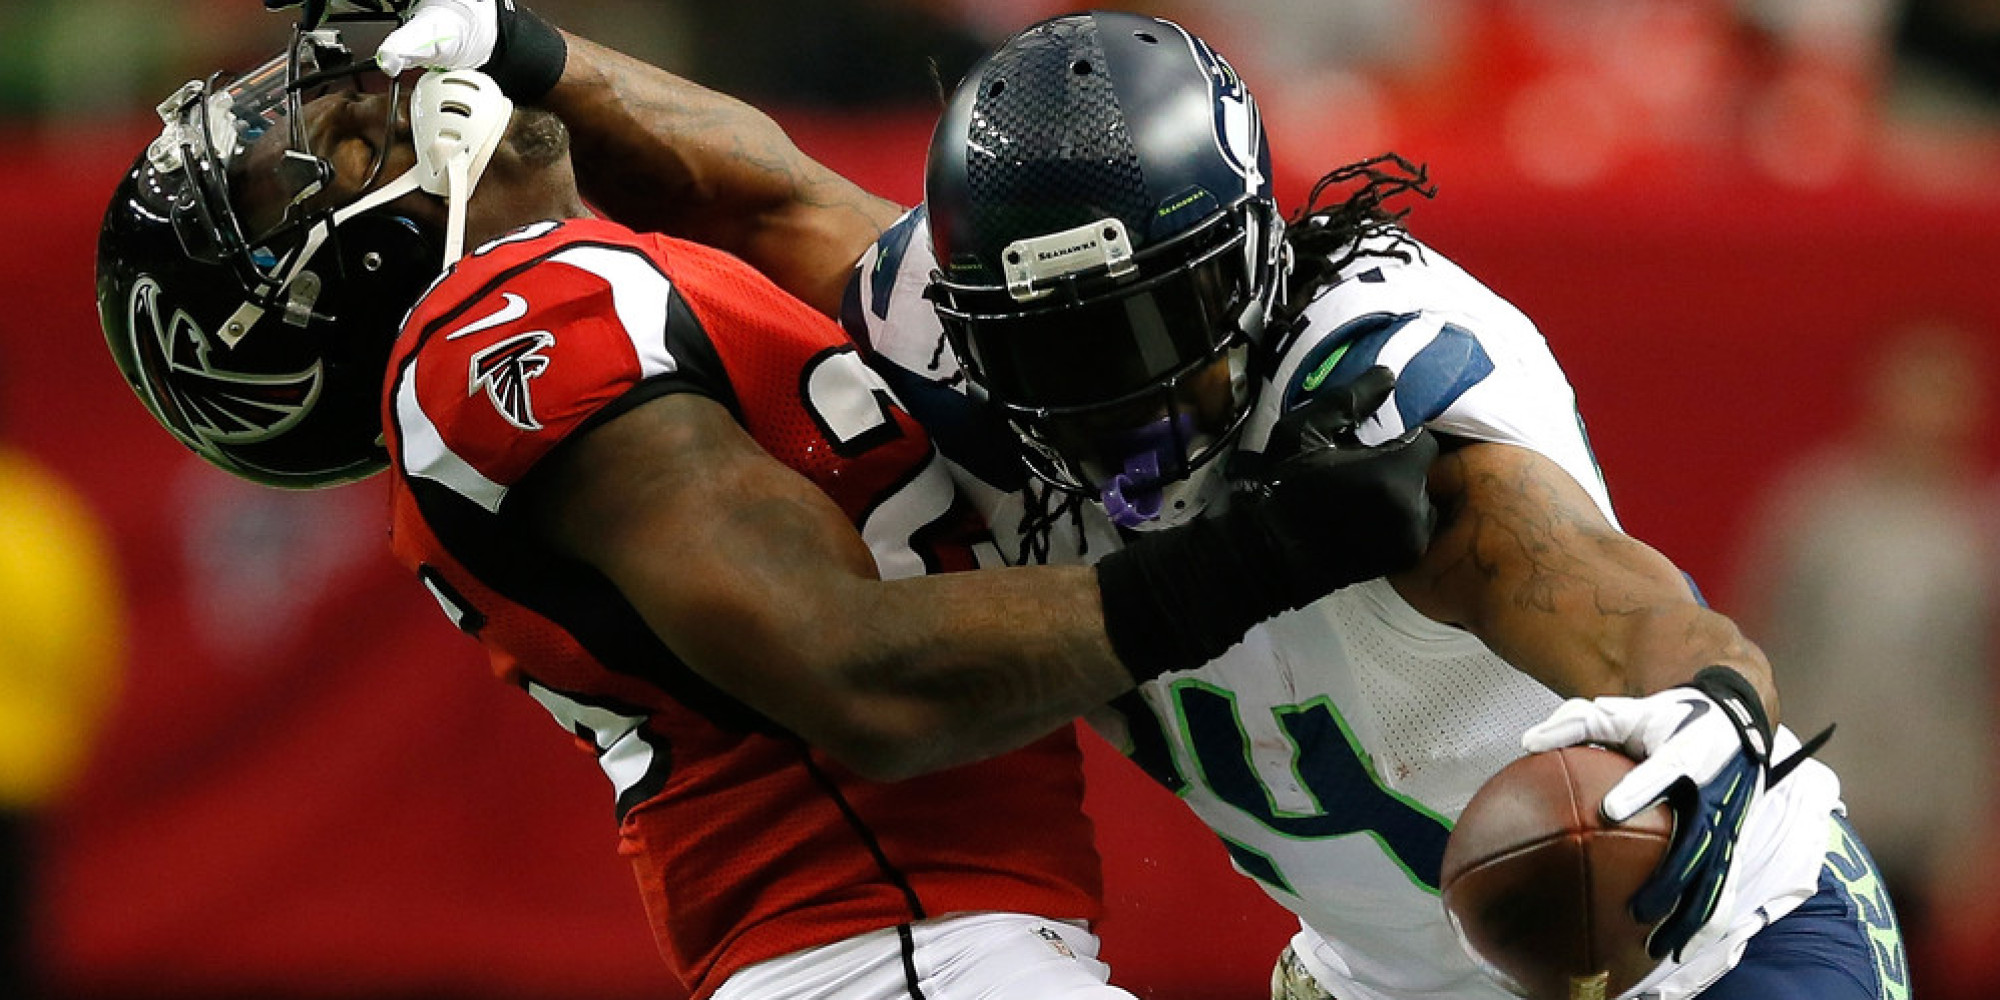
point(1332, 768)
point(854, 409)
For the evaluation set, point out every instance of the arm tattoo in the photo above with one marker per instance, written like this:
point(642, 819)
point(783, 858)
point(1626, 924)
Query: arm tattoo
point(1524, 560)
point(1511, 533)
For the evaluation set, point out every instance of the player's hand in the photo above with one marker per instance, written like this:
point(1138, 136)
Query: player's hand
point(498, 37)
point(1339, 515)
point(1330, 417)
point(1342, 513)
point(1703, 747)
point(442, 34)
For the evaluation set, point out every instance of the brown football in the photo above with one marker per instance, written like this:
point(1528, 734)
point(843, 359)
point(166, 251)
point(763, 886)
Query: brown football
point(1537, 882)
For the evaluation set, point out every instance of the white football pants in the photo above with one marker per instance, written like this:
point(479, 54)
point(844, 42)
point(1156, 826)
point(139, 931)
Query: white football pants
point(979, 956)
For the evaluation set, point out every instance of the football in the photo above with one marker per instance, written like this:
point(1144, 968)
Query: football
point(1537, 882)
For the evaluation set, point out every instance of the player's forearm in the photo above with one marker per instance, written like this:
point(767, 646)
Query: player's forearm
point(1525, 561)
point(1669, 643)
point(1618, 620)
point(662, 154)
point(957, 668)
point(995, 655)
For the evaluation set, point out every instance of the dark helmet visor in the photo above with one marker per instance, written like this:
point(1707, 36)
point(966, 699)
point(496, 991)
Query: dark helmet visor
point(1091, 348)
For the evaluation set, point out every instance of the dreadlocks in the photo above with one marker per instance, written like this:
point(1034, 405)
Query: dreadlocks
point(1325, 239)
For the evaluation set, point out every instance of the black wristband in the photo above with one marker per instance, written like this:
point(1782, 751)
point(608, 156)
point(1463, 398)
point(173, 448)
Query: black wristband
point(1330, 517)
point(529, 57)
point(1176, 599)
point(1741, 702)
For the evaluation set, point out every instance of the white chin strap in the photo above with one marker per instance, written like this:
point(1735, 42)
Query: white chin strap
point(457, 118)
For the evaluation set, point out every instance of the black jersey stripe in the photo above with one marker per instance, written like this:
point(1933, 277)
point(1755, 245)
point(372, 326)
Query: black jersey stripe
point(866, 833)
point(502, 553)
point(890, 872)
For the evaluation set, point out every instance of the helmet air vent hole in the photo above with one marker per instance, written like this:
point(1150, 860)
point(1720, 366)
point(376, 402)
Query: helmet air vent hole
point(1081, 67)
point(1146, 36)
point(996, 88)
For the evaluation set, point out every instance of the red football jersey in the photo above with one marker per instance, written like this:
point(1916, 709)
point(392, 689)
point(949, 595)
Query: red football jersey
point(747, 843)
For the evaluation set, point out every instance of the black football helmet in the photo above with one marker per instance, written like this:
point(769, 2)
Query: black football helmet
point(263, 349)
point(1099, 192)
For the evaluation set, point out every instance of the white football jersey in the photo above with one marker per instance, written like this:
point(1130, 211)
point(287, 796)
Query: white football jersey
point(1332, 749)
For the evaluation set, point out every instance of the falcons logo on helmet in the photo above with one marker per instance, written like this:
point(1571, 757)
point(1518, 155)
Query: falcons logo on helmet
point(205, 406)
point(504, 371)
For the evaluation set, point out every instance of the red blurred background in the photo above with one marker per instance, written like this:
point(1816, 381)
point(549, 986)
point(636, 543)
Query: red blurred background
point(311, 787)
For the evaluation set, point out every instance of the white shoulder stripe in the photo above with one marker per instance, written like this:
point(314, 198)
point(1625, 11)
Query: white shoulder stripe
point(532, 231)
point(426, 457)
point(639, 294)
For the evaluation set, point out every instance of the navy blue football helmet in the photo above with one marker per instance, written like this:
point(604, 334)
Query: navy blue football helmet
point(1099, 191)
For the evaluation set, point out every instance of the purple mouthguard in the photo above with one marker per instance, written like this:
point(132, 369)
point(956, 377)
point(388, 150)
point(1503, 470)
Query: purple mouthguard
point(1134, 495)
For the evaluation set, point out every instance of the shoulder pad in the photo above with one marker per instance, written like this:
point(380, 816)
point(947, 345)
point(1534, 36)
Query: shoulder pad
point(1434, 363)
point(498, 377)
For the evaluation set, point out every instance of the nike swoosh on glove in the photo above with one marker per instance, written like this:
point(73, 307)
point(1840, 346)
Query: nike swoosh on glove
point(1704, 747)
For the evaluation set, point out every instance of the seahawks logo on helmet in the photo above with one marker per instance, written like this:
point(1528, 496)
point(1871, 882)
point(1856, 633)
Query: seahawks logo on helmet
point(504, 371)
point(1238, 129)
point(205, 406)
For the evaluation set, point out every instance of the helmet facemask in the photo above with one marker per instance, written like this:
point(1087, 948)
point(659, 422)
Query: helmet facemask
point(209, 129)
point(457, 119)
point(1124, 375)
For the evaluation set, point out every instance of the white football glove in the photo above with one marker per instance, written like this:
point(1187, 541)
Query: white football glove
point(1703, 747)
point(442, 34)
point(500, 38)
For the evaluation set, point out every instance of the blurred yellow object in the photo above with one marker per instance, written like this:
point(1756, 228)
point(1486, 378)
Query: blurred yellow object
point(61, 631)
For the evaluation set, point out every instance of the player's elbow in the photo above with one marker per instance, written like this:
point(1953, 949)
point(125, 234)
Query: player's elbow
point(882, 741)
point(881, 732)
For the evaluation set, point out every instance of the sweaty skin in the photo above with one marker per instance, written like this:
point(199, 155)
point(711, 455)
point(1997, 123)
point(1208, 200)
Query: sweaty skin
point(772, 595)
point(661, 154)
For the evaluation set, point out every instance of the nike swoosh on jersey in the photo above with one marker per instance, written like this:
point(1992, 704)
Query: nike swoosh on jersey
point(512, 307)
